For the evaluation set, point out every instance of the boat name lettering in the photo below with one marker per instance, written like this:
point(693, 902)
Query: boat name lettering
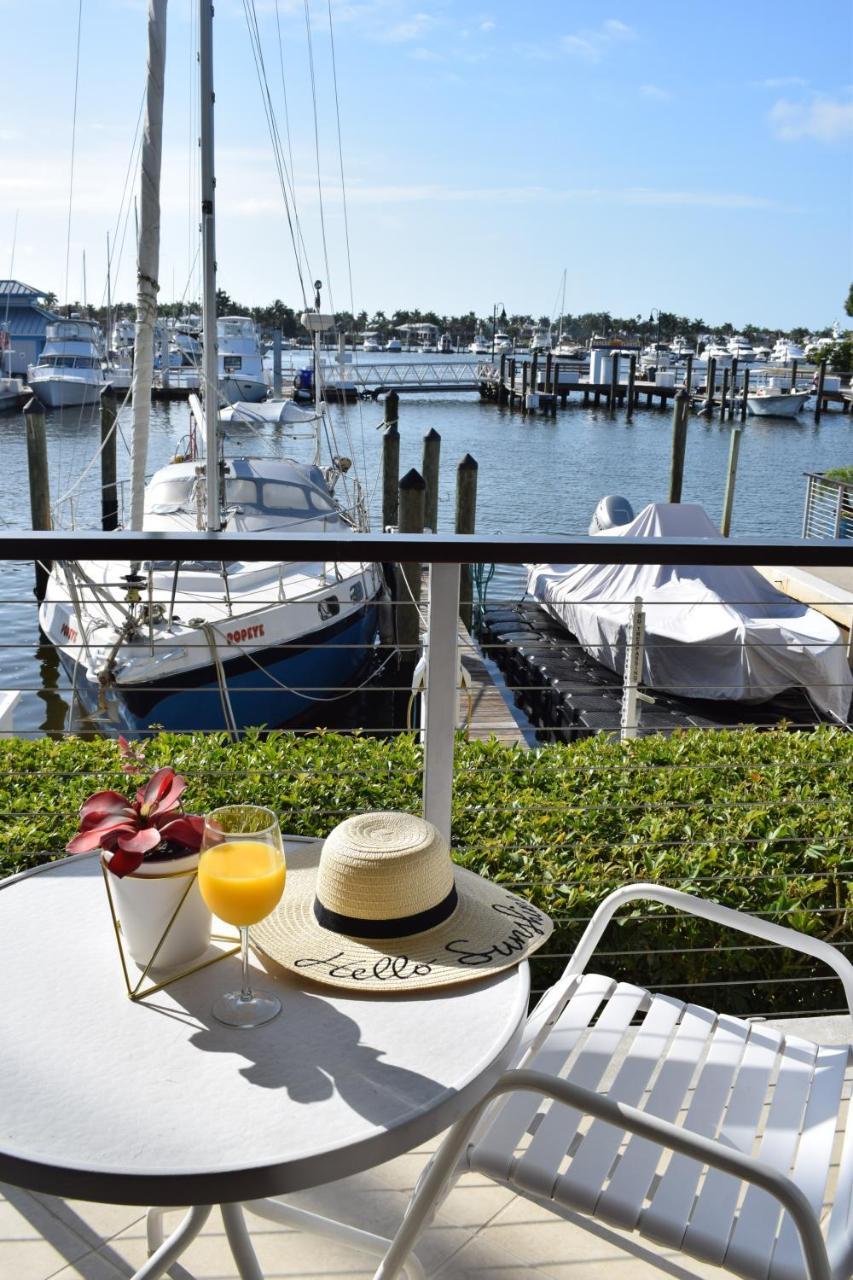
point(68, 632)
point(245, 633)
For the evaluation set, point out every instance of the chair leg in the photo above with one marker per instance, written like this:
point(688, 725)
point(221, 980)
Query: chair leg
point(154, 1229)
point(180, 1239)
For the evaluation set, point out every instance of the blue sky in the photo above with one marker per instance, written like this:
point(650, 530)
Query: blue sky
point(667, 154)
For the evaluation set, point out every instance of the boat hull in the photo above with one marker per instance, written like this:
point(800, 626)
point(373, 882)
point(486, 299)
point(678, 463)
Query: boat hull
point(781, 406)
point(63, 393)
point(261, 688)
point(237, 388)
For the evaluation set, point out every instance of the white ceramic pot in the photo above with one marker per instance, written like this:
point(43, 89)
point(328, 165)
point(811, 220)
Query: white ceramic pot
point(145, 902)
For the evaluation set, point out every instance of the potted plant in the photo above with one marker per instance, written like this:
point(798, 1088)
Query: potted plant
point(150, 849)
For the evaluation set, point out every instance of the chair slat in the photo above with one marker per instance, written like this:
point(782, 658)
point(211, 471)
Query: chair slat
point(580, 1185)
point(755, 1230)
point(814, 1154)
point(710, 1227)
point(622, 1200)
point(494, 1152)
point(538, 1167)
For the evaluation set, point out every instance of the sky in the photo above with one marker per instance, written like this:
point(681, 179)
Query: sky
point(665, 154)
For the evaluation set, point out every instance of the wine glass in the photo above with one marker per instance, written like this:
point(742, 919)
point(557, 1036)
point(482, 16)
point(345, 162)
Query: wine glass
point(241, 875)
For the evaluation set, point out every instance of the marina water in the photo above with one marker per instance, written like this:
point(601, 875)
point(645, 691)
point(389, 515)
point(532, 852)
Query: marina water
point(537, 475)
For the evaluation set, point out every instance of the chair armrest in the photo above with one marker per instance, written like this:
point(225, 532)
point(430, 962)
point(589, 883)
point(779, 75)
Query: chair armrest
point(553, 1002)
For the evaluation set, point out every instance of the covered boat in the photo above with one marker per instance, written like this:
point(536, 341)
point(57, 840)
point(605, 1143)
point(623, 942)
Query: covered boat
point(711, 631)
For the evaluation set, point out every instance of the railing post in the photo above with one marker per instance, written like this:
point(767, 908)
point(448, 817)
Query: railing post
point(440, 699)
point(629, 720)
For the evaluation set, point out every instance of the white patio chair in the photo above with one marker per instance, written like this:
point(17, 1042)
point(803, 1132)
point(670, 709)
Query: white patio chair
point(722, 1138)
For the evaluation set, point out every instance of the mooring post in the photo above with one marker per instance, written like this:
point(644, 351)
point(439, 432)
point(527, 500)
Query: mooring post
point(818, 409)
point(431, 455)
point(164, 358)
point(555, 387)
point(724, 396)
point(549, 360)
point(466, 515)
point(534, 373)
point(412, 499)
point(679, 441)
point(502, 396)
point(109, 487)
point(390, 462)
point(39, 482)
point(794, 364)
point(745, 397)
point(731, 474)
point(512, 383)
point(525, 371)
point(733, 389)
point(632, 377)
point(688, 375)
point(276, 364)
point(711, 387)
point(614, 380)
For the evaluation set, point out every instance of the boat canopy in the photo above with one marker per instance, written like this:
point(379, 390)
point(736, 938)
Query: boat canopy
point(712, 631)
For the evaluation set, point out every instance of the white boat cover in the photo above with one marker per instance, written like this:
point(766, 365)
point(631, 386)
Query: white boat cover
point(711, 631)
point(283, 412)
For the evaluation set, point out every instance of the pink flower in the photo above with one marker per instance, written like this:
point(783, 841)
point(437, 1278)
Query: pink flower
point(130, 830)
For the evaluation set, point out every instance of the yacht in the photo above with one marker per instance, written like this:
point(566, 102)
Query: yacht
point(480, 346)
point(69, 368)
point(540, 341)
point(393, 344)
point(241, 374)
point(123, 335)
point(786, 351)
point(445, 344)
point(371, 341)
point(742, 348)
point(717, 350)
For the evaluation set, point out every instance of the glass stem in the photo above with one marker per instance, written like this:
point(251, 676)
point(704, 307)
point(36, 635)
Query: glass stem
point(246, 993)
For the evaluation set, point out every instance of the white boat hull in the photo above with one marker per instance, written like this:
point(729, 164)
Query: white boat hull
point(786, 405)
point(63, 393)
point(236, 387)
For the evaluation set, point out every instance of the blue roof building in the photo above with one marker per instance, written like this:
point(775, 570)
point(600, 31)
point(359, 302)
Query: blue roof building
point(25, 319)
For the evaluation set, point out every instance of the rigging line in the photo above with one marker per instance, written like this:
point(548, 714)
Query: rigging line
point(317, 151)
point(73, 145)
point(284, 90)
point(124, 190)
point(11, 274)
point(275, 138)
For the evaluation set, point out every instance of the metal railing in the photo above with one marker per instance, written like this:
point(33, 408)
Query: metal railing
point(828, 509)
point(449, 771)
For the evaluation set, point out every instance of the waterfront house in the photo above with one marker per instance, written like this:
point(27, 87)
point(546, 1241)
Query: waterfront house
point(25, 319)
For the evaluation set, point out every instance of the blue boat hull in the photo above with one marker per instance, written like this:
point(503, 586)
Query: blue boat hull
point(262, 691)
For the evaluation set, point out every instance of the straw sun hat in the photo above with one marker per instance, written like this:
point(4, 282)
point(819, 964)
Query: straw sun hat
point(380, 906)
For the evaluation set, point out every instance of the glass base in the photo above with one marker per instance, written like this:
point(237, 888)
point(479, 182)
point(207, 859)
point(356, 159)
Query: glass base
point(234, 1011)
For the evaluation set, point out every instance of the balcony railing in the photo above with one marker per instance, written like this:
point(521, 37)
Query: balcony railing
point(450, 802)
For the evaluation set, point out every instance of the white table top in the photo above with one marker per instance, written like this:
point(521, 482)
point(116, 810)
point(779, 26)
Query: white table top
point(157, 1103)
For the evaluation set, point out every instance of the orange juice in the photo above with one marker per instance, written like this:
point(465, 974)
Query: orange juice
point(241, 880)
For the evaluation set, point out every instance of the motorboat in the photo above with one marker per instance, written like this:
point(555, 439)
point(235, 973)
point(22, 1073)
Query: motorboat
point(481, 346)
point(775, 401)
point(785, 352)
point(717, 351)
point(371, 341)
point(69, 369)
point(241, 372)
point(217, 644)
point(445, 344)
point(540, 340)
point(741, 348)
point(718, 632)
point(503, 342)
point(393, 344)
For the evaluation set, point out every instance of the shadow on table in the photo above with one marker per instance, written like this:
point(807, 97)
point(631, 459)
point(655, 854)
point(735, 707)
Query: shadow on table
point(311, 1049)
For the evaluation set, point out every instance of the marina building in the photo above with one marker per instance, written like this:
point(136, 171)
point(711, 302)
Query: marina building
point(23, 323)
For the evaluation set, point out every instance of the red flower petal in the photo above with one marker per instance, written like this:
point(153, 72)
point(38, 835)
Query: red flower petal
point(122, 863)
point(141, 841)
point(98, 817)
point(186, 830)
point(163, 792)
point(103, 836)
point(108, 801)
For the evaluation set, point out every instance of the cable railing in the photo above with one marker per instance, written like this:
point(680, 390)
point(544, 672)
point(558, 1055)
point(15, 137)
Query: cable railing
point(531, 776)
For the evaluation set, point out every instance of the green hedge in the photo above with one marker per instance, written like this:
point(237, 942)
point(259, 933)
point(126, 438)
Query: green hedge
point(760, 821)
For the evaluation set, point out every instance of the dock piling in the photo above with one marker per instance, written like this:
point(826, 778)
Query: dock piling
point(794, 364)
point(412, 495)
point(744, 398)
point(679, 442)
point(614, 381)
point(502, 393)
point(390, 461)
point(512, 383)
point(431, 455)
point(818, 409)
point(688, 374)
point(731, 474)
point(109, 487)
point(724, 396)
point(733, 389)
point(466, 515)
point(39, 482)
point(525, 372)
point(632, 377)
point(711, 386)
point(276, 364)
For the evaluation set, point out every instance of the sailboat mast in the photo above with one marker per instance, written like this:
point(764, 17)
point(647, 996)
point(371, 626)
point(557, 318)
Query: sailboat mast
point(210, 372)
point(147, 256)
point(109, 300)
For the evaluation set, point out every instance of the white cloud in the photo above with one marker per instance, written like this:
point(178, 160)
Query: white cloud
point(591, 43)
point(655, 93)
point(782, 82)
point(411, 29)
point(488, 25)
point(823, 119)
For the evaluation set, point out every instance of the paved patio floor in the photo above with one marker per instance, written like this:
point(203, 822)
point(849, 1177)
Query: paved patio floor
point(481, 1232)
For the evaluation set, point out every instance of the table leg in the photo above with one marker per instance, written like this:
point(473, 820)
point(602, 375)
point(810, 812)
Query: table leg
point(180, 1239)
point(241, 1245)
point(288, 1215)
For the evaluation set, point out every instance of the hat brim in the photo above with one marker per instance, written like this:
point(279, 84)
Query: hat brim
point(491, 929)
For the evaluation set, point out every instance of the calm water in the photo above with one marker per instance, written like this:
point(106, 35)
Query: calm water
point(537, 475)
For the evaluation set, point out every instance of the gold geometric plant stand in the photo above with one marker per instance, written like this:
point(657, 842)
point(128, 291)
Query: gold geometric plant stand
point(139, 991)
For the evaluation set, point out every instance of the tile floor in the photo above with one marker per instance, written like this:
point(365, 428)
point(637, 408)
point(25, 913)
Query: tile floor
point(482, 1232)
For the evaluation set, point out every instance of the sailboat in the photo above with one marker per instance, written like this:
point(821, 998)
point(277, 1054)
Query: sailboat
point(213, 644)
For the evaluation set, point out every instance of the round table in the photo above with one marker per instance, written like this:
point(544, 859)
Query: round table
point(156, 1103)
